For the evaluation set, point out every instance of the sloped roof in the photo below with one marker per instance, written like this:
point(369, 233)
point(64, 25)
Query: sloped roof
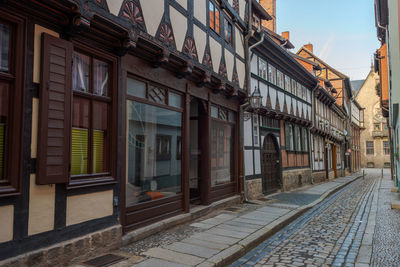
point(356, 85)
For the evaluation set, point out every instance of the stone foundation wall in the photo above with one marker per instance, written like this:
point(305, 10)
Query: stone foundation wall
point(331, 175)
point(319, 176)
point(292, 179)
point(75, 250)
point(254, 188)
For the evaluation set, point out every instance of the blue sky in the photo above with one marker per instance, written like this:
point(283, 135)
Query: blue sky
point(342, 31)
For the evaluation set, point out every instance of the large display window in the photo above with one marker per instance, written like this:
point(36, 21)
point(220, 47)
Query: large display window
point(154, 139)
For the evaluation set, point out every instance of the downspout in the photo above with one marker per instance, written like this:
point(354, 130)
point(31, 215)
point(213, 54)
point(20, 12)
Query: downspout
point(244, 106)
point(309, 132)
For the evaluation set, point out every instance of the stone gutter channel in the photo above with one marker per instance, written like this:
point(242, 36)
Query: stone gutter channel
point(221, 239)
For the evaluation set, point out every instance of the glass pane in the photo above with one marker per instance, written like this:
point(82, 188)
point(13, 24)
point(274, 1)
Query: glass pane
point(4, 100)
point(214, 112)
point(100, 78)
point(217, 21)
point(222, 156)
point(232, 117)
point(4, 47)
point(211, 11)
point(99, 142)
point(80, 72)
point(79, 151)
point(99, 138)
point(175, 100)
point(135, 88)
point(158, 95)
point(80, 116)
point(153, 134)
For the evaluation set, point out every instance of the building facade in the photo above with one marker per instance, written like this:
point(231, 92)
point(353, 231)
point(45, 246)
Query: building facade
point(375, 146)
point(115, 114)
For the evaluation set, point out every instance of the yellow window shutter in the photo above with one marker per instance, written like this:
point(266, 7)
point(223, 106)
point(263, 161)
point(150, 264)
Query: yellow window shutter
point(98, 151)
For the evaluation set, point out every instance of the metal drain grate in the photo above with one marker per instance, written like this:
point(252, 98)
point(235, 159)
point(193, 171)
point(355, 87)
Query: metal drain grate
point(105, 260)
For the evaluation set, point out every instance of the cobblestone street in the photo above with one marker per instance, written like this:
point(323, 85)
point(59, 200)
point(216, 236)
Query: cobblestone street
point(338, 231)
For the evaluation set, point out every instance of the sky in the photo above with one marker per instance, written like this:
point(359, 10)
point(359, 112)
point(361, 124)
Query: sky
point(342, 32)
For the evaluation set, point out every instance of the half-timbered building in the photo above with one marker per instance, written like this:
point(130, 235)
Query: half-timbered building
point(277, 135)
point(116, 112)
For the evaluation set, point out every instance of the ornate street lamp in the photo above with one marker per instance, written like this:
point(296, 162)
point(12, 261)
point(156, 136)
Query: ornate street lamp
point(256, 99)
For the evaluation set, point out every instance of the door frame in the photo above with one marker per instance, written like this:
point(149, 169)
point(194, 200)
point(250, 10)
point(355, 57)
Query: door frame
point(278, 150)
point(334, 160)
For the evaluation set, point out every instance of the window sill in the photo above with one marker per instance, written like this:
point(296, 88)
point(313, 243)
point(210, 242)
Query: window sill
point(90, 182)
point(7, 191)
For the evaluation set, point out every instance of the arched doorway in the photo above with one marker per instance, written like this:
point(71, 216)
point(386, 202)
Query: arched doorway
point(270, 165)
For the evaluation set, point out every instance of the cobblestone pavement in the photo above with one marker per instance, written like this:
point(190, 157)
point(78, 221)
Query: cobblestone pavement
point(329, 234)
point(386, 244)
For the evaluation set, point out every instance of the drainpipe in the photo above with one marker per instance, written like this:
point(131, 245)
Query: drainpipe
point(244, 106)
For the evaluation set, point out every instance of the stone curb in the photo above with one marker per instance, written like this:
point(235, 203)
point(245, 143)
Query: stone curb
point(234, 252)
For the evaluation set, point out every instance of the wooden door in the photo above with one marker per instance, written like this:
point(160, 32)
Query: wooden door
point(334, 160)
point(270, 165)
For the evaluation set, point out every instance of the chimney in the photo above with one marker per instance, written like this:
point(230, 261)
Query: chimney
point(270, 7)
point(309, 47)
point(286, 35)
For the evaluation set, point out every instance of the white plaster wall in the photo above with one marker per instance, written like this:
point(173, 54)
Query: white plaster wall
point(200, 38)
point(272, 96)
point(41, 207)
point(230, 63)
point(200, 11)
point(248, 162)
point(254, 84)
point(6, 223)
point(281, 97)
point(241, 72)
point(257, 162)
point(254, 63)
point(247, 133)
point(114, 6)
point(216, 52)
point(264, 92)
point(242, 8)
point(183, 3)
point(179, 26)
point(86, 207)
point(239, 42)
point(153, 11)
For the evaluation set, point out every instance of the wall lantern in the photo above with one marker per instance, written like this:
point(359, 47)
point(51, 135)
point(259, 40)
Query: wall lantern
point(256, 99)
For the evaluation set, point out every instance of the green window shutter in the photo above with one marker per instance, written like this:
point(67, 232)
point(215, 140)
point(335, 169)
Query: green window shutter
point(2, 150)
point(98, 151)
point(287, 137)
point(79, 151)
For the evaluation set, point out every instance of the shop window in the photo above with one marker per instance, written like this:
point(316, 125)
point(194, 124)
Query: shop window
point(262, 68)
point(214, 14)
point(10, 103)
point(153, 134)
point(228, 32)
point(386, 148)
point(222, 150)
point(297, 138)
point(304, 143)
point(271, 74)
point(289, 137)
point(370, 147)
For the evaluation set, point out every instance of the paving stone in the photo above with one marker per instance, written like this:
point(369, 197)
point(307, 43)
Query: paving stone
point(227, 232)
point(202, 225)
point(158, 262)
point(173, 256)
point(242, 228)
point(216, 238)
point(205, 243)
point(192, 249)
point(249, 221)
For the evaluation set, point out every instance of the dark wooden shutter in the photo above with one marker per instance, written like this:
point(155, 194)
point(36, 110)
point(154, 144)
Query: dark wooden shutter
point(54, 111)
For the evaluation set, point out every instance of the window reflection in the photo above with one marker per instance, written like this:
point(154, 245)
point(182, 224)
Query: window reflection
point(153, 135)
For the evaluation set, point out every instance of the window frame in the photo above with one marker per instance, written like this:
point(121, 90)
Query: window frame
point(14, 77)
point(214, 26)
point(369, 150)
point(227, 23)
point(109, 177)
point(386, 147)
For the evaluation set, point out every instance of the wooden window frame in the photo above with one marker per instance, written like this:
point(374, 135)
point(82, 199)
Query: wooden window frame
point(227, 23)
point(369, 150)
point(14, 77)
point(214, 25)
point(109, 177)
point(386, 149)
